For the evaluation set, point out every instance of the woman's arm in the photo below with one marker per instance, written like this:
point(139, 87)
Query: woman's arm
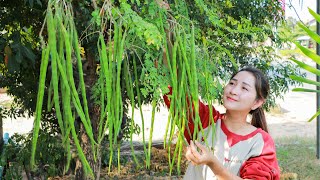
point(206, 157)
point(263, 166)
point(204, 114)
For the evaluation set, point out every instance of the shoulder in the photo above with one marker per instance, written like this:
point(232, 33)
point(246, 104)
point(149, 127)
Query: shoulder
point(267, 139)
point(263, 165)
point(263, 145)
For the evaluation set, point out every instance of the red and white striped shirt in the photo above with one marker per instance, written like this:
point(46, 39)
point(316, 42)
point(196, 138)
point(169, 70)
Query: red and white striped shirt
point(252, 156)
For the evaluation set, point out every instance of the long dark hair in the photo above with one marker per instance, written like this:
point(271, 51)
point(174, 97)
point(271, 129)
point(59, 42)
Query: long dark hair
point(262, 88)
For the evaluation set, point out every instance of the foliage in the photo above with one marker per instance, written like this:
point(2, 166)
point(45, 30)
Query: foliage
point(231, 34)
point(50, 155)
point(223, 26)
point(20, 24)
point(313, 56)
point(21, 85)
point(3, 112)
point(26, 14)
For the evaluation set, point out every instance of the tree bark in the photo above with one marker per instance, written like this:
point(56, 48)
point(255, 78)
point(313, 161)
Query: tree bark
point(94, 112)
point(1, 132)
point(87, 149)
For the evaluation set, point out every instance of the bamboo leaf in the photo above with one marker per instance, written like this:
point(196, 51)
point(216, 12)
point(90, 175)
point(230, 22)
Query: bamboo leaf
point(314, 14)
point(309, 53)
point(306, 67)
point(314, 116)
point(304, 80)
point(312, 34)
point(305, 90)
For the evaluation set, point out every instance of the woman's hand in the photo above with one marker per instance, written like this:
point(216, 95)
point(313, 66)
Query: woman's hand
point(205, 157)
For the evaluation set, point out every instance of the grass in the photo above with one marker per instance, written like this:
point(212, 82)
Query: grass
point(297, 155)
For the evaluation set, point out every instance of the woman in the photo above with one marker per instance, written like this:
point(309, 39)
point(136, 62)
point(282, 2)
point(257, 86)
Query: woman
point(240, 150)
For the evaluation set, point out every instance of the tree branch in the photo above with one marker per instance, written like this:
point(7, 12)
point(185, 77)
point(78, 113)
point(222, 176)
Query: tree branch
point(94, 4)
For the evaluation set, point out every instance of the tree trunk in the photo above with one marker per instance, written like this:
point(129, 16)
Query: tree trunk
point(95, 165)
point(90, 79)
point(1, 132)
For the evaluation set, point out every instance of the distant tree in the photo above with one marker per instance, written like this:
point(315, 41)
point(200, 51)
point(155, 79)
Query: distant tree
point(291, 23)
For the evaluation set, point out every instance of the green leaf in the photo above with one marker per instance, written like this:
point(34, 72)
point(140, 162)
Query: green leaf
point(31, 3)
point(96, 17)
point(314, 14)
point(15, 46)
point(314, 116)
point(306, 67)
point(229, 4)
point(2, 43)
point(13, 65)
point(18, 56)
point(304, 80)
point(312, 34)
point(305, 90)
point(27, 52)
point(309, 53)
point(39, 2)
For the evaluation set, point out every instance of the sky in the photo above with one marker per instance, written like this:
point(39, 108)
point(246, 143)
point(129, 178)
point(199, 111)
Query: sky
point(301, 7)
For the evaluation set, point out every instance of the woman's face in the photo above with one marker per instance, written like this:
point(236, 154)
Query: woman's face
point(240, 93)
